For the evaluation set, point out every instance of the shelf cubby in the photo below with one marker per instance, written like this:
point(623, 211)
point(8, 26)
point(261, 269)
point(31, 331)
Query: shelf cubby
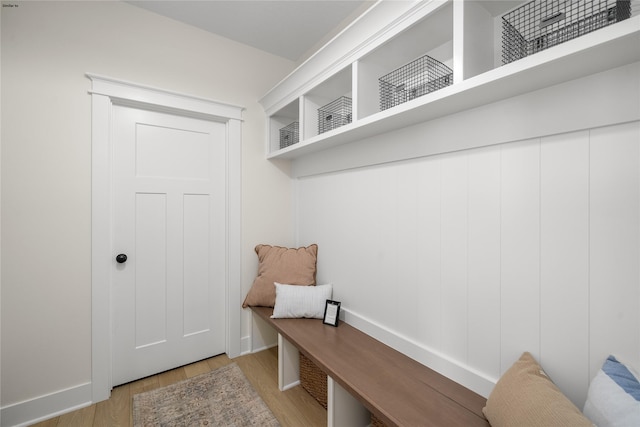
point(479, 36)
point(284, 117)
point(340, 84)
point(433, 36)
point(465, 35)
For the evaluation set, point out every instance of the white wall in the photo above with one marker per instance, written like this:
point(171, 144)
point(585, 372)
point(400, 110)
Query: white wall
point(465, 259)
point(47, 47)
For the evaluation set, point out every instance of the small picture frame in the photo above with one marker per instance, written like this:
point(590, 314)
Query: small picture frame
point(331, 313)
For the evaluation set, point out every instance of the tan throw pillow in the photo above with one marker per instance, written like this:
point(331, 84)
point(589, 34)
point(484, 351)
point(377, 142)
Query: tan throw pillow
point(284, 265)
point(525, 397)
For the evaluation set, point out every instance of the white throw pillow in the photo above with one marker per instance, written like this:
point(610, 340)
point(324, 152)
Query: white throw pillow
point(613, 399)
point(300, 301)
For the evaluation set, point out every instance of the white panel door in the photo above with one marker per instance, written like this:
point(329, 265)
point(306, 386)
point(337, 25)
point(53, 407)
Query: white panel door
point(168, 297)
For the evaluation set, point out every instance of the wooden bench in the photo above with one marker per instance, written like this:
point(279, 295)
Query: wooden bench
point(366, 376)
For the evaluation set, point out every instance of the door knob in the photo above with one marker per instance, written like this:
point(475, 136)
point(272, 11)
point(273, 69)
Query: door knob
point(121, 258)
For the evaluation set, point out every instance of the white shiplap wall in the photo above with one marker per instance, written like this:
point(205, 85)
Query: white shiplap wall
point(464, 260)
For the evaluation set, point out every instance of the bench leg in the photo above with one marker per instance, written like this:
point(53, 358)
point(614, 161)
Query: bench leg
point(343, 410)
point(288, 364)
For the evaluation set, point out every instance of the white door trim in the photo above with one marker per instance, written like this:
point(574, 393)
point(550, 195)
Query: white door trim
point(106, 92)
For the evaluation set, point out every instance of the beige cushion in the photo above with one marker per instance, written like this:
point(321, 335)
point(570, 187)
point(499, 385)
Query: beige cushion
point(293, 266)
point(524, 396)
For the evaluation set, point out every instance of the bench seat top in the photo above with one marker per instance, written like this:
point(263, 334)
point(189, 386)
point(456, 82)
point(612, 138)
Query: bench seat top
point(397, 389)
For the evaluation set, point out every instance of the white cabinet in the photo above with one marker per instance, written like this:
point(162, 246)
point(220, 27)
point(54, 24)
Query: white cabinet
point(465, 35)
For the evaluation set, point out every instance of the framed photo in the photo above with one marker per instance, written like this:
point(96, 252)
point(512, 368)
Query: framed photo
point(331, 313)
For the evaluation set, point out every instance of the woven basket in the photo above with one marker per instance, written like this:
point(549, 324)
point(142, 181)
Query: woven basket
point(313, 380)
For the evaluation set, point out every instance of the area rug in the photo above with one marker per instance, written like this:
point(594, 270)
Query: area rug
point(223, 397)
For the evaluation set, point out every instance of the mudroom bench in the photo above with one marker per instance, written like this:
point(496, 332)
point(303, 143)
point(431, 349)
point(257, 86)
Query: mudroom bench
point(366, 377)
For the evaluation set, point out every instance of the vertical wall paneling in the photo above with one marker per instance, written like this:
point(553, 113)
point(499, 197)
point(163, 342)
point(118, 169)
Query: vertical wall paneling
point(520, 257)
point(564, 257)
point(338, 204)
point(483, 266)
point(356, 285)
point(614, 310)
point(429, 292)
point(408, 262)
point(378, 222)
point(345, 214)
point(470, 258)
point(453, 245)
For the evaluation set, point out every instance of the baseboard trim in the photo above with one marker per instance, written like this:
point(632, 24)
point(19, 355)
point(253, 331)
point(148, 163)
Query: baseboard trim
point(47, 406)
point(245, 345)
point(290, 386)
point(263, 348)
point(439, 362)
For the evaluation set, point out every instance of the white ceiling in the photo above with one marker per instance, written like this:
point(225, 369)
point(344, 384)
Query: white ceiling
point(289, 29)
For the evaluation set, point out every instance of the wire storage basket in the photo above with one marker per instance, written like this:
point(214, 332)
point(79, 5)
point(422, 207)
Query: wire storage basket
point(419, 77)
point(335, 114)
point(541, 24)
point(289, 135)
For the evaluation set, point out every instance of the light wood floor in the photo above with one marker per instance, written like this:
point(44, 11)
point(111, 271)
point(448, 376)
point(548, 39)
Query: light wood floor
point(292, 408)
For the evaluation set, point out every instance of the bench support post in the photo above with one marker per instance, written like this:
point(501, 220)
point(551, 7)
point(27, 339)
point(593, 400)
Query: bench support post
point(343, 410)
point(288, 364)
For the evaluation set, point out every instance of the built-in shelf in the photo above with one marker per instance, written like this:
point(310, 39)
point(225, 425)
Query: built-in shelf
point(478, 77)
